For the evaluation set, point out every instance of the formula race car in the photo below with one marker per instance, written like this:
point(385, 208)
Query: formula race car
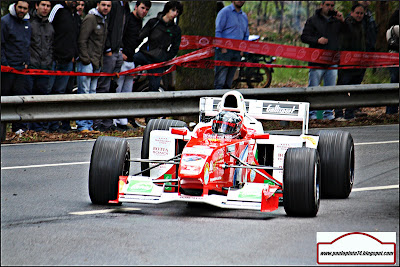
point(228, 160)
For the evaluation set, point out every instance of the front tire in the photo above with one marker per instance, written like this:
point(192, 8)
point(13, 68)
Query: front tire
point(301, 181)
point(109, 160)
point(336, 150)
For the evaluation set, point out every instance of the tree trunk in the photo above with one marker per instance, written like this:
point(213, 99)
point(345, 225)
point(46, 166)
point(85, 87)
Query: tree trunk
point(279, 5)
point(382, 20)
point(198, 18)
point(281, 16)
point(259, 14)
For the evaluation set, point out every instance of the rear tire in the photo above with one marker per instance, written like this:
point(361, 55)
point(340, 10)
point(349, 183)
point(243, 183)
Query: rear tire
point(109, 160)
point(155, 124)
point(336, 150)
point(301, 180)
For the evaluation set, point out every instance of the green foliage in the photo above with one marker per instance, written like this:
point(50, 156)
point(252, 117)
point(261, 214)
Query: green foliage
point(289, 76)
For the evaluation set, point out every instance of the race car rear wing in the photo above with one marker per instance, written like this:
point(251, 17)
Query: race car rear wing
point(261, 110)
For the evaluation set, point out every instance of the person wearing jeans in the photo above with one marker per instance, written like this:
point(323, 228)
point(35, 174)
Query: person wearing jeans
point(322, 31)
point(91, 43)
point(231, 23)
point(329, 78)
point(86, 85)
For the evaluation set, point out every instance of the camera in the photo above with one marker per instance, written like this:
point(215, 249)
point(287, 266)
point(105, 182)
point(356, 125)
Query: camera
point(332, 13)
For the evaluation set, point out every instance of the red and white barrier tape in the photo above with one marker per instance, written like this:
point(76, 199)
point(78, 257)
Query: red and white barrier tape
point(195, 59)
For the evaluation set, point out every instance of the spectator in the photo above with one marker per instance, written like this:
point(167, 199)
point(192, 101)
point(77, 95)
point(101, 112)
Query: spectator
point(41, 49)
point(231, 23)
point(80, 7)
point(15, 41)
point(77, 17)
point(322, 31)
point(164, 39)
point(352, 39)
point(393, 29)
point(130, 41)
point(370, 28)
point(91, 43)
point(112, 60)
point(65, 51)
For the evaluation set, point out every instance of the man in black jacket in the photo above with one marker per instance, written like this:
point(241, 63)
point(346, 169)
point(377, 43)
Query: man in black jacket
point(130, 42)
point(370, 28)
point(164, 39)
point(352, 39)
point(65, 51)
point(323, 31)
point(41, 53)
point(15, 41)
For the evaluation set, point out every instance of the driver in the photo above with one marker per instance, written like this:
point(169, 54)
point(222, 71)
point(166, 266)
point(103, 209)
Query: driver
point(227, 123)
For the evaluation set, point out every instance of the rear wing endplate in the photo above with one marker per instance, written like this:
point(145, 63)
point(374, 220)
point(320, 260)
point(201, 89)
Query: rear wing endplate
point(261, 110)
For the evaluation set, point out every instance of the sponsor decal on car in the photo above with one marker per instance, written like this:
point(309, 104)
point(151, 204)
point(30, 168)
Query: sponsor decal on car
point(250, 193)
point(168, 177)
point(160, 151)
point(140, 187)
point(281, 109)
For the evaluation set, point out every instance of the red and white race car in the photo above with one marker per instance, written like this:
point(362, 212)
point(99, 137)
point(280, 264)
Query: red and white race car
point(228, 160)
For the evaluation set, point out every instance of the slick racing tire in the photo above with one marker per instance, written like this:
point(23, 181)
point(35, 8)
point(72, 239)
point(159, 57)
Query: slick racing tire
point(301, 182)
point(109, 160)
point(155, 124)
point(336, 151)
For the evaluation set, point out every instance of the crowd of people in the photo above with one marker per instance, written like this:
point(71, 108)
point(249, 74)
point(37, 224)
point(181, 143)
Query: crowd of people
point(57, 35)
point(328, 29)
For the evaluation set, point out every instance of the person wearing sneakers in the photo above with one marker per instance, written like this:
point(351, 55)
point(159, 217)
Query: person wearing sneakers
point(91, 41)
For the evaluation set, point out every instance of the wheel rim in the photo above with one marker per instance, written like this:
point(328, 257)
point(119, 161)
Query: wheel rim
point(351, 166)
point(125, 167)
point(316, 183)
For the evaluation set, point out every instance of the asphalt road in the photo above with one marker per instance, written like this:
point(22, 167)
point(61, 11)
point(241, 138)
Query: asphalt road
point(43, 185)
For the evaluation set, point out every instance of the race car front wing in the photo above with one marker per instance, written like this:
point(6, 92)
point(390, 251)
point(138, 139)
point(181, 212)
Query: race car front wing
point(252, 196)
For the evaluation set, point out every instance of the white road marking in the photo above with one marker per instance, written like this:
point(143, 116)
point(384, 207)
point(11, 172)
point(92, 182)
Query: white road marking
point(376, 143)
point(45, 165)
point(395, 186)
point(90, 212)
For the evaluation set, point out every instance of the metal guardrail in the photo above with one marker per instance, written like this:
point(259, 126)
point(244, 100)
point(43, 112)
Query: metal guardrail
point(174, 103)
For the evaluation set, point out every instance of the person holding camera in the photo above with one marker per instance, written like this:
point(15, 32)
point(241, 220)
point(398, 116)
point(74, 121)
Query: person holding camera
point(322, 31)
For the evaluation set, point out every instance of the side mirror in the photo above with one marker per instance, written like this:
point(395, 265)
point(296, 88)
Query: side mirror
point(260, 136)
point(179, 131)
